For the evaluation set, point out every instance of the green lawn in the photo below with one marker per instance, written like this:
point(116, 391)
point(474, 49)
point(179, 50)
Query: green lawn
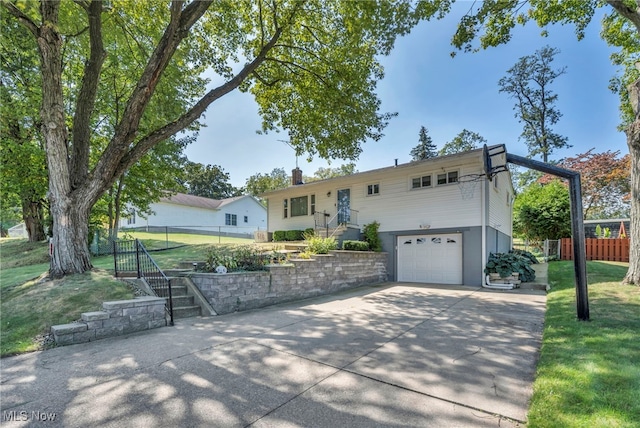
point(30, 303)
point(589, 372)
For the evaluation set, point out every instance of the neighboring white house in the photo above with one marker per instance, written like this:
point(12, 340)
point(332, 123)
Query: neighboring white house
point(239, 215)
point(434, 229)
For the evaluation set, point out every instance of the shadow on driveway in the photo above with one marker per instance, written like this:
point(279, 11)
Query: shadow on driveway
point(395, 354)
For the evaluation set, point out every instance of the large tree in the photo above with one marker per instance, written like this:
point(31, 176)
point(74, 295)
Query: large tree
point(425, 149)
point(312, 66)
point(23, 171)
point(542, 212)
point(208, 181)
point(529, 83)
point(259, 183)
point(490, 23)
point(605, 182)
point(326, 173)
point(466, 140)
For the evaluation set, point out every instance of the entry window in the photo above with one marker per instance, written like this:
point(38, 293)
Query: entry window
point(285, 208)
point(313, 204)
point(420, 182)
point(447, 178)
point(231, 219)
point(373, 189)
point(299, 206)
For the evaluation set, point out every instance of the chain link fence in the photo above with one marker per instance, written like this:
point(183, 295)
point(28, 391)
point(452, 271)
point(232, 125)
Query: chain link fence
point(547, 250)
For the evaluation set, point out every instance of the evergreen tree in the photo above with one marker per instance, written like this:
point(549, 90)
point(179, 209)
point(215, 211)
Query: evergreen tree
point(426, 149)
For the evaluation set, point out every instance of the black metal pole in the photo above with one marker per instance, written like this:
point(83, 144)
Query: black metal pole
point(577, 226)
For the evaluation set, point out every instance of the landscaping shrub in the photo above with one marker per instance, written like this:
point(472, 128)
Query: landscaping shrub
point(526, 254)
point(355, 245)
point(370, 232)
point(279, 235)
point(294, 235)
point(507, 263)
point(319, 245)
point(236, 258)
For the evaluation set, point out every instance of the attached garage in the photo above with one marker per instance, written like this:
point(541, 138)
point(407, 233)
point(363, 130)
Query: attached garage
point(435, 258)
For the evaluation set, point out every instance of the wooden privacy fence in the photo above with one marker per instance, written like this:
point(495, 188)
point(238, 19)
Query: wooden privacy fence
point(615, 250)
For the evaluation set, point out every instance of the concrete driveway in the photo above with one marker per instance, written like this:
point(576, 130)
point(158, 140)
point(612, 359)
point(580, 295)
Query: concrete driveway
point(396, 354)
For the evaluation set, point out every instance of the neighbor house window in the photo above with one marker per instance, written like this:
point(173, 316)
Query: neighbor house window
point(246, 219)
point(231, 219)
point(313, 204)
point(285, 208)
point(447, 178)
point(132, 218)
point(420, 182)
point(299, 206)
point(373, 189)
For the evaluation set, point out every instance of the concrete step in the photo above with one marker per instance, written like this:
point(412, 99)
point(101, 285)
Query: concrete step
point(178, 290)
point(186, 311)
point(180, 301)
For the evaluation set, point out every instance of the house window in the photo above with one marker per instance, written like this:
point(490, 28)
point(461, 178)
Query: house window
point(231, 219)
point(313, 204)
point(495, 181)
point(373, 189)
point(285, 208)
point(420, 182)
point(447, 178)
point(246, 219)
point(299, 206)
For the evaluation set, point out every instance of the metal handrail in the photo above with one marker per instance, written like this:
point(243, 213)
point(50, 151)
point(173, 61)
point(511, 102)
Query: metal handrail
point(133, 256)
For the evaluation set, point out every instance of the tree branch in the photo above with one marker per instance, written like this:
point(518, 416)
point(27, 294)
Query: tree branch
point(150, 140)
point(628, 12)
point(22, 18)
point(178, 28)
point(87, 96)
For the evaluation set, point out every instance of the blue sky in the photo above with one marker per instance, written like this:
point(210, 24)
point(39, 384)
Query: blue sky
point(426, 87)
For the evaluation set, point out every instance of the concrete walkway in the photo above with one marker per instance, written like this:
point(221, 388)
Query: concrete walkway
point(394, 355)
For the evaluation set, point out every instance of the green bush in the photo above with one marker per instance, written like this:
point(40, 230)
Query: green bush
point(355, 245)
point(308, 231)
point(279, 235)
point(370, 232)
point(236, 258)
point(319, 245)
point(294, 235)
point(526, 254)
point(507, 263)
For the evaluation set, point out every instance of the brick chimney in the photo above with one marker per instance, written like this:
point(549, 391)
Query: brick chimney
point(296, 177)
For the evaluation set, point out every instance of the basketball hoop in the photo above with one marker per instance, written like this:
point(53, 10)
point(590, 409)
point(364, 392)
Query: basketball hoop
point(467, 184)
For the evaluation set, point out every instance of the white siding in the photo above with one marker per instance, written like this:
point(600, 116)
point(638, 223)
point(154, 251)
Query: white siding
point(183, 216)
point(397, 207)
point(500, 203)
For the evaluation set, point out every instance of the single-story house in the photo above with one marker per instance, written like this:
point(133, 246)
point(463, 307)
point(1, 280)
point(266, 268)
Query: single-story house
point(439, 218)
point(241, 215)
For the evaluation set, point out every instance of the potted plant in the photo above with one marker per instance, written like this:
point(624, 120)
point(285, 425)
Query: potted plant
point(506, 264)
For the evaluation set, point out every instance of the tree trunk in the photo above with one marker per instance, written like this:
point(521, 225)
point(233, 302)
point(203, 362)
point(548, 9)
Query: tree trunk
point(33, 219)
point(633, 140)
point(70, 237)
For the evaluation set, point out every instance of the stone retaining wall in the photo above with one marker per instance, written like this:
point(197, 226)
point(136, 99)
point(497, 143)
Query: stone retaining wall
point(116, 318)
point(295, 280)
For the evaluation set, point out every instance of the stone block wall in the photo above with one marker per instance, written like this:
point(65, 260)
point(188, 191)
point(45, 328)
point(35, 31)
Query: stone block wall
point(115, 319)
point(296, 280)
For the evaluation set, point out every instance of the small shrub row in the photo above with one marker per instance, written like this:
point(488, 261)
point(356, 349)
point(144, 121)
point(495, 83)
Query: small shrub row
point(291, 235)
point(236, 258)
point(355, 245)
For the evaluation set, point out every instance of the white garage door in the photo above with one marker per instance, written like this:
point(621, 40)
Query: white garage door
point(434, 259)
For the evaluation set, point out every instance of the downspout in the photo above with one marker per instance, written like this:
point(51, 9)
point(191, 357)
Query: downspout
point(483, 225)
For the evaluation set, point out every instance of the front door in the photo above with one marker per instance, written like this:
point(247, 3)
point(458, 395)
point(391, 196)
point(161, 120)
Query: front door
point(344, 206)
